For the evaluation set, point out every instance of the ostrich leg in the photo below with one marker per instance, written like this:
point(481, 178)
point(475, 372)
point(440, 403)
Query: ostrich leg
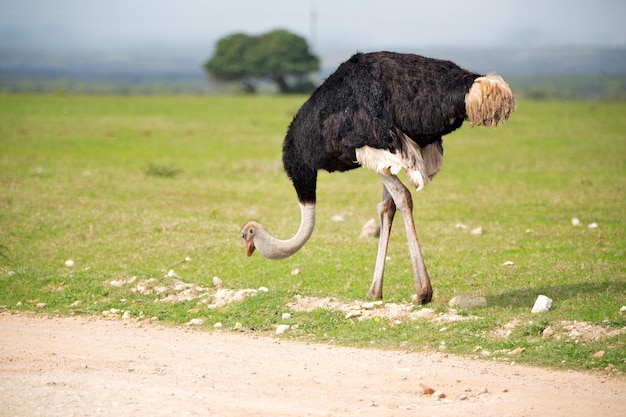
point(386, 211)
point(402, 198)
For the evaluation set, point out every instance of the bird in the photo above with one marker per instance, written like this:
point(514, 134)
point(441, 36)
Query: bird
point(388, 112)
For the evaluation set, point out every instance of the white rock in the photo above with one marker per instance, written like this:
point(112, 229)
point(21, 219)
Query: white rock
point(508, 263)
point(547, 332)
point(295, 272)
point(126, 315)
point(217, 282)
point(286, 316)
point(263, 289)
point(593, 225)
point(477, 231)
point(370, 229)
point(69, 263)
point(461, 226)
point(196, 322)
point(171, 273)
point(218, 325)
point(623, 309)
point(338, 218)
point(438, 395)
point(575, 221)
point(282, 328)
point(542, 304)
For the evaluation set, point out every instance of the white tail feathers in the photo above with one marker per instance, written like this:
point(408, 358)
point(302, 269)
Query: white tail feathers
point(489, 101)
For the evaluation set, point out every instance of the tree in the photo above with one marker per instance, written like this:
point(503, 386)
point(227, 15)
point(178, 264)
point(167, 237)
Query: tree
point(278, 56)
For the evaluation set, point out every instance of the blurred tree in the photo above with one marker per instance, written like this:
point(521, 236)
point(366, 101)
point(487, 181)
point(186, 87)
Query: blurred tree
point(278, 56)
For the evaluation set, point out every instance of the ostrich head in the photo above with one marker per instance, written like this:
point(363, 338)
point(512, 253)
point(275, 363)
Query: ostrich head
point(256, 236)
point(247, 234)
point(489, 101)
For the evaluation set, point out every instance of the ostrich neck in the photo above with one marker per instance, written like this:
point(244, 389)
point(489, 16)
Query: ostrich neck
point(273, 248)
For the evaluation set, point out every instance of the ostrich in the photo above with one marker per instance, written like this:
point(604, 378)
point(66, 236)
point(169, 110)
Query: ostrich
point(385, 111)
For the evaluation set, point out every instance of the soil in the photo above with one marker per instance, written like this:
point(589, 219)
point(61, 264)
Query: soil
point(81, 366)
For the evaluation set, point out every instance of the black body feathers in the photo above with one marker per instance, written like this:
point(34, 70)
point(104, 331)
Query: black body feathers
point(372, 100)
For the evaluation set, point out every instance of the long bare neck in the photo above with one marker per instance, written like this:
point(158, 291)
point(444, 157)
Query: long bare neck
point(273, 248)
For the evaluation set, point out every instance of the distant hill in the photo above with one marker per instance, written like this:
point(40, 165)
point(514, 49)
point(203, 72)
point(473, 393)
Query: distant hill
point(577, 73)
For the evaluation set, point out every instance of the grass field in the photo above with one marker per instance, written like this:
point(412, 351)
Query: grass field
point(138, 186)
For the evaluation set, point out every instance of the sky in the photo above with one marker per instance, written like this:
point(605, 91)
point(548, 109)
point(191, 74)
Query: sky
point(357, 24)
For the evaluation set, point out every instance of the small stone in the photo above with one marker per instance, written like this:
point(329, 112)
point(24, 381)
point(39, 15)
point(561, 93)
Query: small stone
point(69, 263)
point(171, 274)
point(282, 328)
point(517, 351)
point(286, 316)
point(575, 221)
point(542, 304)
point(238, 326)
point(547, 332)
point(217, 282)
point(463, 397)
point(508, 263)
point(461, 226)
point(426, 390)
point(467, 301)
point(370, 229)
point(263, 289)
point(218, 325)
point(477, 231)
point(484, 390)
point(438, 395)
point(114, 311)
point(19, 304)
point(41, 305)
point(295, 272)
point(592, 225)
point(599, 354)
point(338, 218)
point(196, 322)
point(354, 313)
point(126, 315)
point(622, 309)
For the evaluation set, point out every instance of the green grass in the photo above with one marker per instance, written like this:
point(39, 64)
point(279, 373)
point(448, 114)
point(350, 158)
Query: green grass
point(131, 186)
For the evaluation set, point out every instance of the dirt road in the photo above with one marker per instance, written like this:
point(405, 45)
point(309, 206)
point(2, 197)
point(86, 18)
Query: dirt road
point(94, 367)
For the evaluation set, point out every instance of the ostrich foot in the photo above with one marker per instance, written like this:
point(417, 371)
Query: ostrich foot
point(424, 295)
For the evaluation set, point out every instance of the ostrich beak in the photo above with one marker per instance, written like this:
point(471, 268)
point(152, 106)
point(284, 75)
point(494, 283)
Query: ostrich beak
point(249, 247)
